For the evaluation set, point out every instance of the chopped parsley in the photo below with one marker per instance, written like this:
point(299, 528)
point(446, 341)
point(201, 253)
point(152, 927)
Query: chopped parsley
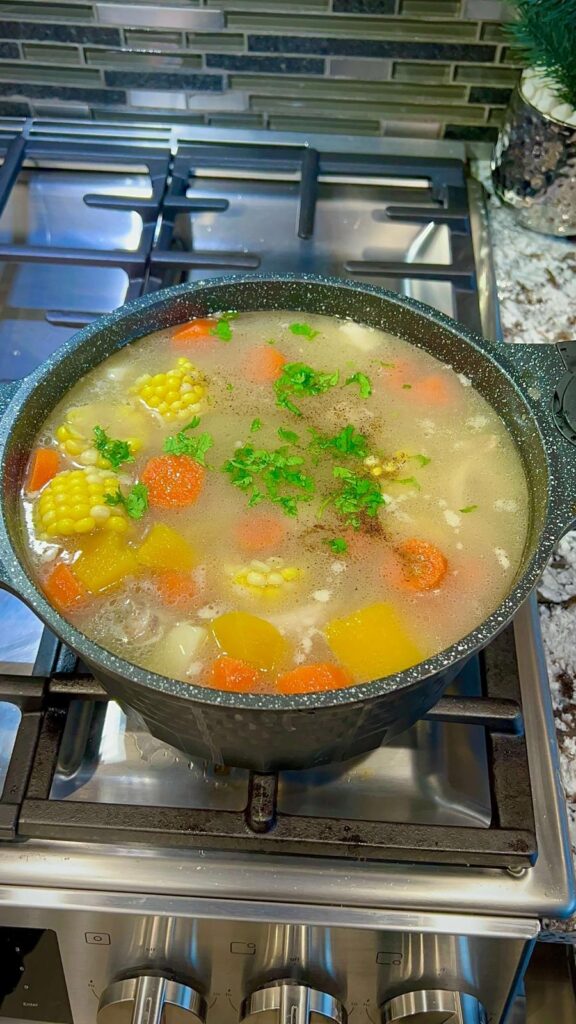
point(222, 328)
point(467, 509)
point(255, 425)
point(304, 330)
point(411, 481)
point(363, 383)
point(422, 460)
point(357, 498)
point(406, 387)
point(117, 452)
point(300, 379)
point(272, 475)
point(135, 502)
point(288, 435)
point(388, 366)
point(182, 444)
point(337, 544)
point(347, 442)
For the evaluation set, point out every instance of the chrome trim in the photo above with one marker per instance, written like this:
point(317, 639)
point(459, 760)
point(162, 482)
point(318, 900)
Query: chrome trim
point(147, 998)
point(293, 1004)
point(433, 1005)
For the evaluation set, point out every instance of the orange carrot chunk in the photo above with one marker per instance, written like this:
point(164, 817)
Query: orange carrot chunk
point(264, 364)
point(313, 678)
point(173, 481)
point(176, 589)
point(233, 674)
point(436, 390)
point(259, 532)
point(44, 464)
point(423, 564)
point(63, 589)
point(199, 330)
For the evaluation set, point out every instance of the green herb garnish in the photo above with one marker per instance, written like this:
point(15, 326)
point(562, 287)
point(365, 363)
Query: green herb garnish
point(255, 425)
point(411, 481)
point(304, 330)
point(222, 327)
point(288, 435)
point(422, 460)
point(274, 475)
point(467, 509)
point(388, 366)
point(363, 382)
point(337, 544)
point(406, 387)
point(117, 452)
point(347, 442)
point(229, 387)
point(135, 502)
point(271, 341)
point(357, 498)
point(182, 444)
point(300, 379)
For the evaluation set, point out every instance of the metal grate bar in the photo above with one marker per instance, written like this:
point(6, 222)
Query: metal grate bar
point(420, 271)
point(308, 193)
point(188, 260)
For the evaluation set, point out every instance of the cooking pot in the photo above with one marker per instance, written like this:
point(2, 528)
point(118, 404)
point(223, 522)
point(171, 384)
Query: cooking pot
point(530, 387)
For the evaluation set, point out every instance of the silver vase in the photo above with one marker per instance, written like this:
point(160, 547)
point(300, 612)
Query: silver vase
point(534, 168)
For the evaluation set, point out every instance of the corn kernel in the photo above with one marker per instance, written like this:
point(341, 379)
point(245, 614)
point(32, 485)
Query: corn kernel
point(172, 394)
point(265, 578)
point(68, 500)
point(79, 446)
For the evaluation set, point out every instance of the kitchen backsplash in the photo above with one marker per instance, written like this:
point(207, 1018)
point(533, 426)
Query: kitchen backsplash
point(375, 67)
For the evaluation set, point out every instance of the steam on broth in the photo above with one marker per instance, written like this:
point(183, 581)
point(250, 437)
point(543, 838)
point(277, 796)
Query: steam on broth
point(274, 502)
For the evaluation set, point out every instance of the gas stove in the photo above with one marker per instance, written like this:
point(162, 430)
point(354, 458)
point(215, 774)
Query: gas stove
point(413, 880)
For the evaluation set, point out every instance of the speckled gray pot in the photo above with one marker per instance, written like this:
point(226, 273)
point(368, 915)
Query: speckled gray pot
point(267, 732)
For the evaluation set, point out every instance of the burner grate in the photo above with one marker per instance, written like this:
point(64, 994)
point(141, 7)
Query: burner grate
point(30, 812)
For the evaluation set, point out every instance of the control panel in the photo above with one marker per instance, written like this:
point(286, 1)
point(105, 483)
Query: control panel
point(84, 967)
point(32, 985)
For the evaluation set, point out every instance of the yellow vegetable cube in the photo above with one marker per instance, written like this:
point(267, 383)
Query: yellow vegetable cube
point(372, 642)
point(165, 548)
point(105, 562)
point(245, 636)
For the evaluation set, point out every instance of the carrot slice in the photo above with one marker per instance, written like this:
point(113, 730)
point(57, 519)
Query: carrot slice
point(196, 331)
point(173, 481)
point(423, 564)
point(435, 390)
point(233, 674)
point(264, 364)
point(259, 532)
point(44, 464)
point(313, 678)
point(177, 589)
point(63, 589)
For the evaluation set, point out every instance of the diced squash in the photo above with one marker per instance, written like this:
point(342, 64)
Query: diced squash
point(165, 548)
point(245, 636)
point(105, 561)
point(372, 642)
point(179, 648)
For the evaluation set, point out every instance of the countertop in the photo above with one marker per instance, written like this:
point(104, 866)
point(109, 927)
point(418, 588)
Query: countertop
point(536, 277)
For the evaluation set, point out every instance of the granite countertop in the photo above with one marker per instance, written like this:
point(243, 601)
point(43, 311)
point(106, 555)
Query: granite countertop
point(536, 277)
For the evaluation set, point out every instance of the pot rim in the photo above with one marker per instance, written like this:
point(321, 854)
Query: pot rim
point(98, 657)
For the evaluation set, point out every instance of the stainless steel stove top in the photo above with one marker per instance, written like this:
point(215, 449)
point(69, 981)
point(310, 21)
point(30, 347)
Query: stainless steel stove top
point(85, 195)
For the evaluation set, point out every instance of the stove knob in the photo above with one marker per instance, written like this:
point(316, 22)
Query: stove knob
point(286, 1002)
point(150, 999)
point(433, 1006)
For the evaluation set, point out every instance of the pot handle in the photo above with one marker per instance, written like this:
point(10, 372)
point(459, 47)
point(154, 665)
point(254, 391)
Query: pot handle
point(549, 373)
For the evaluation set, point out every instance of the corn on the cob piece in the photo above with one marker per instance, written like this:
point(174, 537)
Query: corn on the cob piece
point(267, 578)
point(74, 503)
point(176, 394)
point(77, 442)
point(385, 467)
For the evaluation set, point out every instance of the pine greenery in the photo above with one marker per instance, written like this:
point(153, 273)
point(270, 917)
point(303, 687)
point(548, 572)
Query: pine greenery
point(545, 37)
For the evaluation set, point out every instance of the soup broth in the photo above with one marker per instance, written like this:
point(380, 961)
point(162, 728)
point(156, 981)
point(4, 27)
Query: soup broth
point(274, 502)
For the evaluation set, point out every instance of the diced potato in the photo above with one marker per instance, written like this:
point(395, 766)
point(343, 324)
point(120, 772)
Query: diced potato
point(165, 548)
point(179, 647)
point(362, 338)
point(372, 642)
point(105, 561)
point(250, 638)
